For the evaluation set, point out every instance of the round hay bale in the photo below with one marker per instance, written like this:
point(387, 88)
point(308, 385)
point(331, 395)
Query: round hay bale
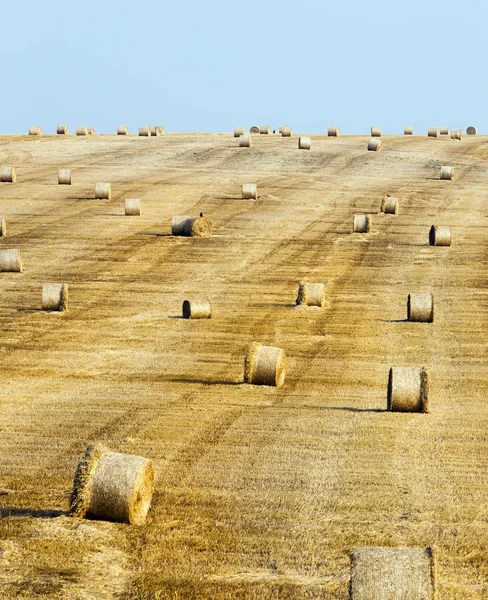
point(91, 131)
point(145, 131)
point(286, 131)
point(304, 142)
point(420, 308)
point(362, 223)
point(249, 191)
point(264, 365)
point(280, 130)
point(133, 207)
point(103, 191)
point(447, 173)
point(333, 131)
point(311, 294)
point(198, 308)
point(254, 129)
point(122, 130)
point(160, 128)
point(238, 131)
point(55, 297)
point(35, 130)
point(112, 486)
point(389, 205)
point(62, 129)
point(10, 261)
point(456, 134)
point(444, 130)
point(245, 141)
point(264, 129)
point(8, 174)
point(155, 132)
point(408, 390)
point(374, 145)
point(375, 131)
point(408, 130)
point(179, 225)
point(433, 132)
point(383, 573)
point(82, 131)
point(3, 227)
point(471, 130)
point(199, 227)
point(440, 235)
point(64, 177)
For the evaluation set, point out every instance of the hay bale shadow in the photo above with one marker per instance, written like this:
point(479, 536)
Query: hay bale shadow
point(32, 512)
point(204, 381)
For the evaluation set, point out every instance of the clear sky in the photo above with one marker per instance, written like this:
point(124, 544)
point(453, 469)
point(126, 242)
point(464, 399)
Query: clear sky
point(213, 65)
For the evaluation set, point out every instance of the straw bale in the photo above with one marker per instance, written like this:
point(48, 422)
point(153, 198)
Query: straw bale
point(375, 131)
point(145, 131)
point(179, 225)
point(62, 129)
point(103, 191)
point(440, 235)
point(381, 573)
point(122, 130)
point(133, 207)
point(311, 294)
point(408, 130)
point(64, 177)
point(55, 296)
point(155, 131)
point(304, 143)
point(82, 131)
point(264, 129)
point(197, 308)
point(264, 365)
point(374, 145)
point(408, 390)
point(420, 308)
point(333, 131)
point(112, 486)
point(3, 227)
point(254, 129)
point(433, 132)
point(389, 205)
point(444, 130)
point(285, 131)
point(35, 130)
point(249, 191)
point(456, 134)
point(8, 174)
point(199, 227)
point(471, 130)
point(238, 131)
point(91, 131)
point(362, 223)
point(245, 141)
point(447, 173)
point(10, 261)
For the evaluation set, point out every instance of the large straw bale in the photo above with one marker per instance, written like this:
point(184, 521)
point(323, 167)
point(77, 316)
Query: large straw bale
point(433, 132)
point(156, 131)
point(8, 174)
point(444, 130)
point(375, 131)
point(286, 131)
point(471, 130)
point(440, 235)
point(112, 486)
point(389, 205)
point(35, 130)
point(381, 573)
point(82, 131)
point(375, 145)
point(304, 142)
point(64, 177)
point(238, 131)
point(254, 129)
point(245, 141)
point(179, 225)
point(122, 130)
point(249, 191)
point(145, 131)
point(264, 365)
point(11, 261)
point(362, 223)
point(199, 227)
point(333, 131)
point(420, 308)
point(197, 308)
point(62, 129)
point(103, 191)
point(456, 134)
point(408, 130)
point(55, 297)
point(408, 390)
point(447, 173)
point(91, 131)
point(264, 129)
point(311, 294)
point(133, 207)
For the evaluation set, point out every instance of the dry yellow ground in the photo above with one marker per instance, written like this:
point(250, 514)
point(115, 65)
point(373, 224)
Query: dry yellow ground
point(261, 493)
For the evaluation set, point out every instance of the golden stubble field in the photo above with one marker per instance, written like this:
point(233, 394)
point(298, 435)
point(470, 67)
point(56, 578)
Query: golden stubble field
point(261, 493)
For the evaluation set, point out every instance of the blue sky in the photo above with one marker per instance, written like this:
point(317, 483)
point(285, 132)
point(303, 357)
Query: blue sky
point(215, 65)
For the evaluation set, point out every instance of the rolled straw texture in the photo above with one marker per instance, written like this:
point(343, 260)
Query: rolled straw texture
point(375, 131)
point(35, 130)
point(62, 129)
point(440, 235)
point(264, 129)
point(362, 223)
point(199, 227)
point(11, 261)
point(82, 131)
point(245, 141)
point(122, 130)
point(64, 177)
point(444, 130)
point(113, 486)
point(3, 227)
point(311, 294)
point(389, 205)
point(238, 131)
point(471, 130)
point(381, 573)
point(420, 308)
point(8, 174)
point(456, 134)
point(304, 143)
point(408, 130)
point(447, 173)
point(249, 191)
point(145, 131)
point(197, 308)
point(179, 225)
point(408, 390)
point(103, 191)
point(433, 132)
point(133, 207)
point(286, 131)
point(264, 365)
point(55, 297)
point(374, 145)
point(333, 131)
point(254, 129)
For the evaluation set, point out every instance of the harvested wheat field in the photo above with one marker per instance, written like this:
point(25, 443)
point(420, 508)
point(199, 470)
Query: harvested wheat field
point(260, 492)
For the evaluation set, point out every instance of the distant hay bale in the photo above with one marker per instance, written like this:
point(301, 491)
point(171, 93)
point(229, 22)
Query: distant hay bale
point(286, 131)
point(10, 261)
point(389, 205)
point(456, 134)
point(374, 145)
point(381, 573)
point(420, 308)
point(160, 128)
point(3, 227)
point(245, 141)
point(264, 365)
point(103, 191)
point(8, 174)
point(311, 294)
point(433, 132)
point(179, 225)
point(444, 130)
point(471, 130)
point(198, 308)
point(408, 390)
point(254, 129)
point(333, 131)
point(35, 130)
point(82, 131)
point(155, 131)
point(55, 297)
point(440, 235)
point(447, 173)
point(145, 131)
point(280, 130)
point(91, 131)
point(264, 129)
point(64, 177)
point(199, 227)
point(133, 207)
point(122, 130)
point(112, 486)
point(238, 131)
point(249, 191)
point(375, 131)
point(408, 130)
point(362, 223)
point(304, 142)
point(62, 129)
